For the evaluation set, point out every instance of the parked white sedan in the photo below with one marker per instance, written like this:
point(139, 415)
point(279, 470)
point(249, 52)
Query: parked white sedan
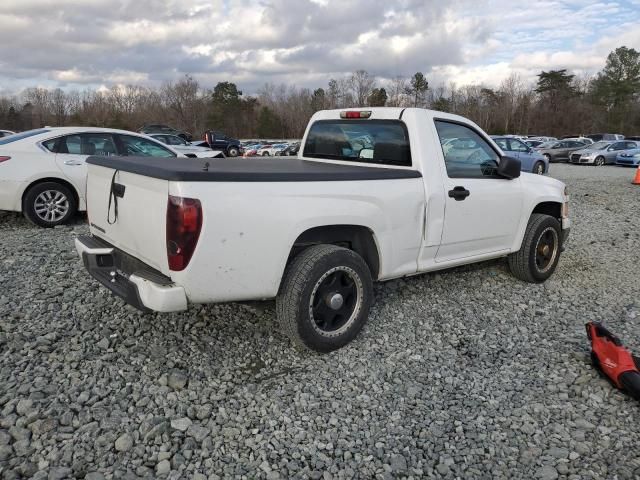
point(179, 144)
point(43, 172)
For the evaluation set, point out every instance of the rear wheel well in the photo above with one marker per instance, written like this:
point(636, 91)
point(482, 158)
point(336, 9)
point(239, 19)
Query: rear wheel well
point(354, 237)
point(54, 180)
point(553, 209)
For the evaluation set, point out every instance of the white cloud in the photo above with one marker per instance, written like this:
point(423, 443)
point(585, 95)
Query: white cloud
point(306, 42)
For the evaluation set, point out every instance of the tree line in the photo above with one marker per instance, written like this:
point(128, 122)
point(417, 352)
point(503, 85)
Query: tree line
point(559, 103)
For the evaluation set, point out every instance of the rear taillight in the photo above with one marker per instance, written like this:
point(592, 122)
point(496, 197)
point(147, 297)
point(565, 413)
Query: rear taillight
point(184, 222)
point(4, 159)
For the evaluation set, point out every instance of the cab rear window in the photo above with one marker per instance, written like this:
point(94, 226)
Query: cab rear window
point(383, 142)
point(19, 136)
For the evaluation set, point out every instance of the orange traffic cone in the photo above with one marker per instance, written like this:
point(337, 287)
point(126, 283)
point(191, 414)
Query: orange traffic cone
point(636, 180)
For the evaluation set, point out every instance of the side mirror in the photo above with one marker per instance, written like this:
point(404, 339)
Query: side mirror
point(509, 167)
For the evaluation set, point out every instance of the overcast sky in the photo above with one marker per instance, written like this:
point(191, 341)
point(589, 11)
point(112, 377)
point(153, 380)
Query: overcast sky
point(90, 43)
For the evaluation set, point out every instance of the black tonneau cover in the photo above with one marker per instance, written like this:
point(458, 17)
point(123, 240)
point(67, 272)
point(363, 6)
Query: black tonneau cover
point(252, 169)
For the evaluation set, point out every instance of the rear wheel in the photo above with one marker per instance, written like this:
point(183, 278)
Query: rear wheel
point(325, 297)
point(538, 168)
point(599, 161)
point(49, 204)
point(538, 256)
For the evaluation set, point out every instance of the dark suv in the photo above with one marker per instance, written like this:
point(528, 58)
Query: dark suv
point(219, 141)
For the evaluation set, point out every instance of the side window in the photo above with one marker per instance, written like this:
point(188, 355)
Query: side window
point(98, 144)
point(161, 138)
point(71, 144)
point(618, 146)
point(502, 143)
point(141, 147)
point(175, 140)
point(632, 145)
point(469, 155)
point(518, 146)
point(50, 144)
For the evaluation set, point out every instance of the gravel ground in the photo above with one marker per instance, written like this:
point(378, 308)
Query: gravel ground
point(465, 373)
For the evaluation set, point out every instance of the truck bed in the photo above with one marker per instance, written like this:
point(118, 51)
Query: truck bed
point(253, 169)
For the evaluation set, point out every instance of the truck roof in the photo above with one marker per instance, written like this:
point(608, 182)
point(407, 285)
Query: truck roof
point(247, 170)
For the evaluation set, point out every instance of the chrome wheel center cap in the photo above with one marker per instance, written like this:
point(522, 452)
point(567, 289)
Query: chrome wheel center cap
point(545, 250)
point(335, 301)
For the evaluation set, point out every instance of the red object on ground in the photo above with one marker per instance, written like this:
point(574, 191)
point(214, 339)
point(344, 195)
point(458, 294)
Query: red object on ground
point(614, 360)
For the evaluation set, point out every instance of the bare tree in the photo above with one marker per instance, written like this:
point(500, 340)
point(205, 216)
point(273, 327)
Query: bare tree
point(361, 83)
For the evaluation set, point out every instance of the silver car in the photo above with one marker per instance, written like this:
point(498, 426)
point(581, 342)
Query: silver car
point(601, 153)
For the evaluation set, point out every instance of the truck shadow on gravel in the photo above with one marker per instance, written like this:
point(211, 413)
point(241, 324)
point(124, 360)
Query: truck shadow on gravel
point(17, 220)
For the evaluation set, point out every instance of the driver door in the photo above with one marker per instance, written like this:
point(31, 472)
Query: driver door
point(482, 210)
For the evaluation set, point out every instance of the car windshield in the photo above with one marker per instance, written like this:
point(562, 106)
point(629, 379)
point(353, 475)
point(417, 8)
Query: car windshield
point(599, 145)
point(19, 136)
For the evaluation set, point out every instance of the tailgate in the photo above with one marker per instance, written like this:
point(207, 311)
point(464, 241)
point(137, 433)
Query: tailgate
point(139, 228)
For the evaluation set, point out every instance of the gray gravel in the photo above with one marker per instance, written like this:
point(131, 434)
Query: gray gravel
point(465, 373)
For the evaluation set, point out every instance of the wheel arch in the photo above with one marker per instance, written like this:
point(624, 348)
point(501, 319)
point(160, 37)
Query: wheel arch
point(553, 209)
point(358, 238)
point(59, 180)
point(548, 206)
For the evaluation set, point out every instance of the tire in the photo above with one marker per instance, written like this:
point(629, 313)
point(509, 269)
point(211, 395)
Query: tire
point(265, 154)
point(49, 204)
point(599, 161)
point(538, 168)
point(233, 151)
point(304, 313)
point(534, 263)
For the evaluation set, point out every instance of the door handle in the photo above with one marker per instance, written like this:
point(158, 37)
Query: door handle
point(72, 162)
point(459, 193)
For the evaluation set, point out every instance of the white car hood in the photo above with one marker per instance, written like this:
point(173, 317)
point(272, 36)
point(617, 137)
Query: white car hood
point(200, 152)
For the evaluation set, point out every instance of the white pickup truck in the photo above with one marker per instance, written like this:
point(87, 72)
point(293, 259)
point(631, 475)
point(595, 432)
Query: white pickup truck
point(374, 194)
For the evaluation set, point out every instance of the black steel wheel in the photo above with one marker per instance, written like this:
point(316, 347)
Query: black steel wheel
point(539, 253)
point(336, 300)
point(325, 297)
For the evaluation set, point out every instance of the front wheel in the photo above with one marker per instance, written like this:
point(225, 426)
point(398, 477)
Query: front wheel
point(233, 152)
point(599, 161)
point(538, 168)
point(325, 297)
point(49, 204)
point(538, 256)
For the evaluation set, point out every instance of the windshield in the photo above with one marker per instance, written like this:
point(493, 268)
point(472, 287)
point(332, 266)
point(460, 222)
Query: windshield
point(370, 141)
point(19, 136)
point(599, 145)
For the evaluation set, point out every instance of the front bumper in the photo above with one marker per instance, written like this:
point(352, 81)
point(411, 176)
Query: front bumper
point(628, 162)
point(132, 280)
